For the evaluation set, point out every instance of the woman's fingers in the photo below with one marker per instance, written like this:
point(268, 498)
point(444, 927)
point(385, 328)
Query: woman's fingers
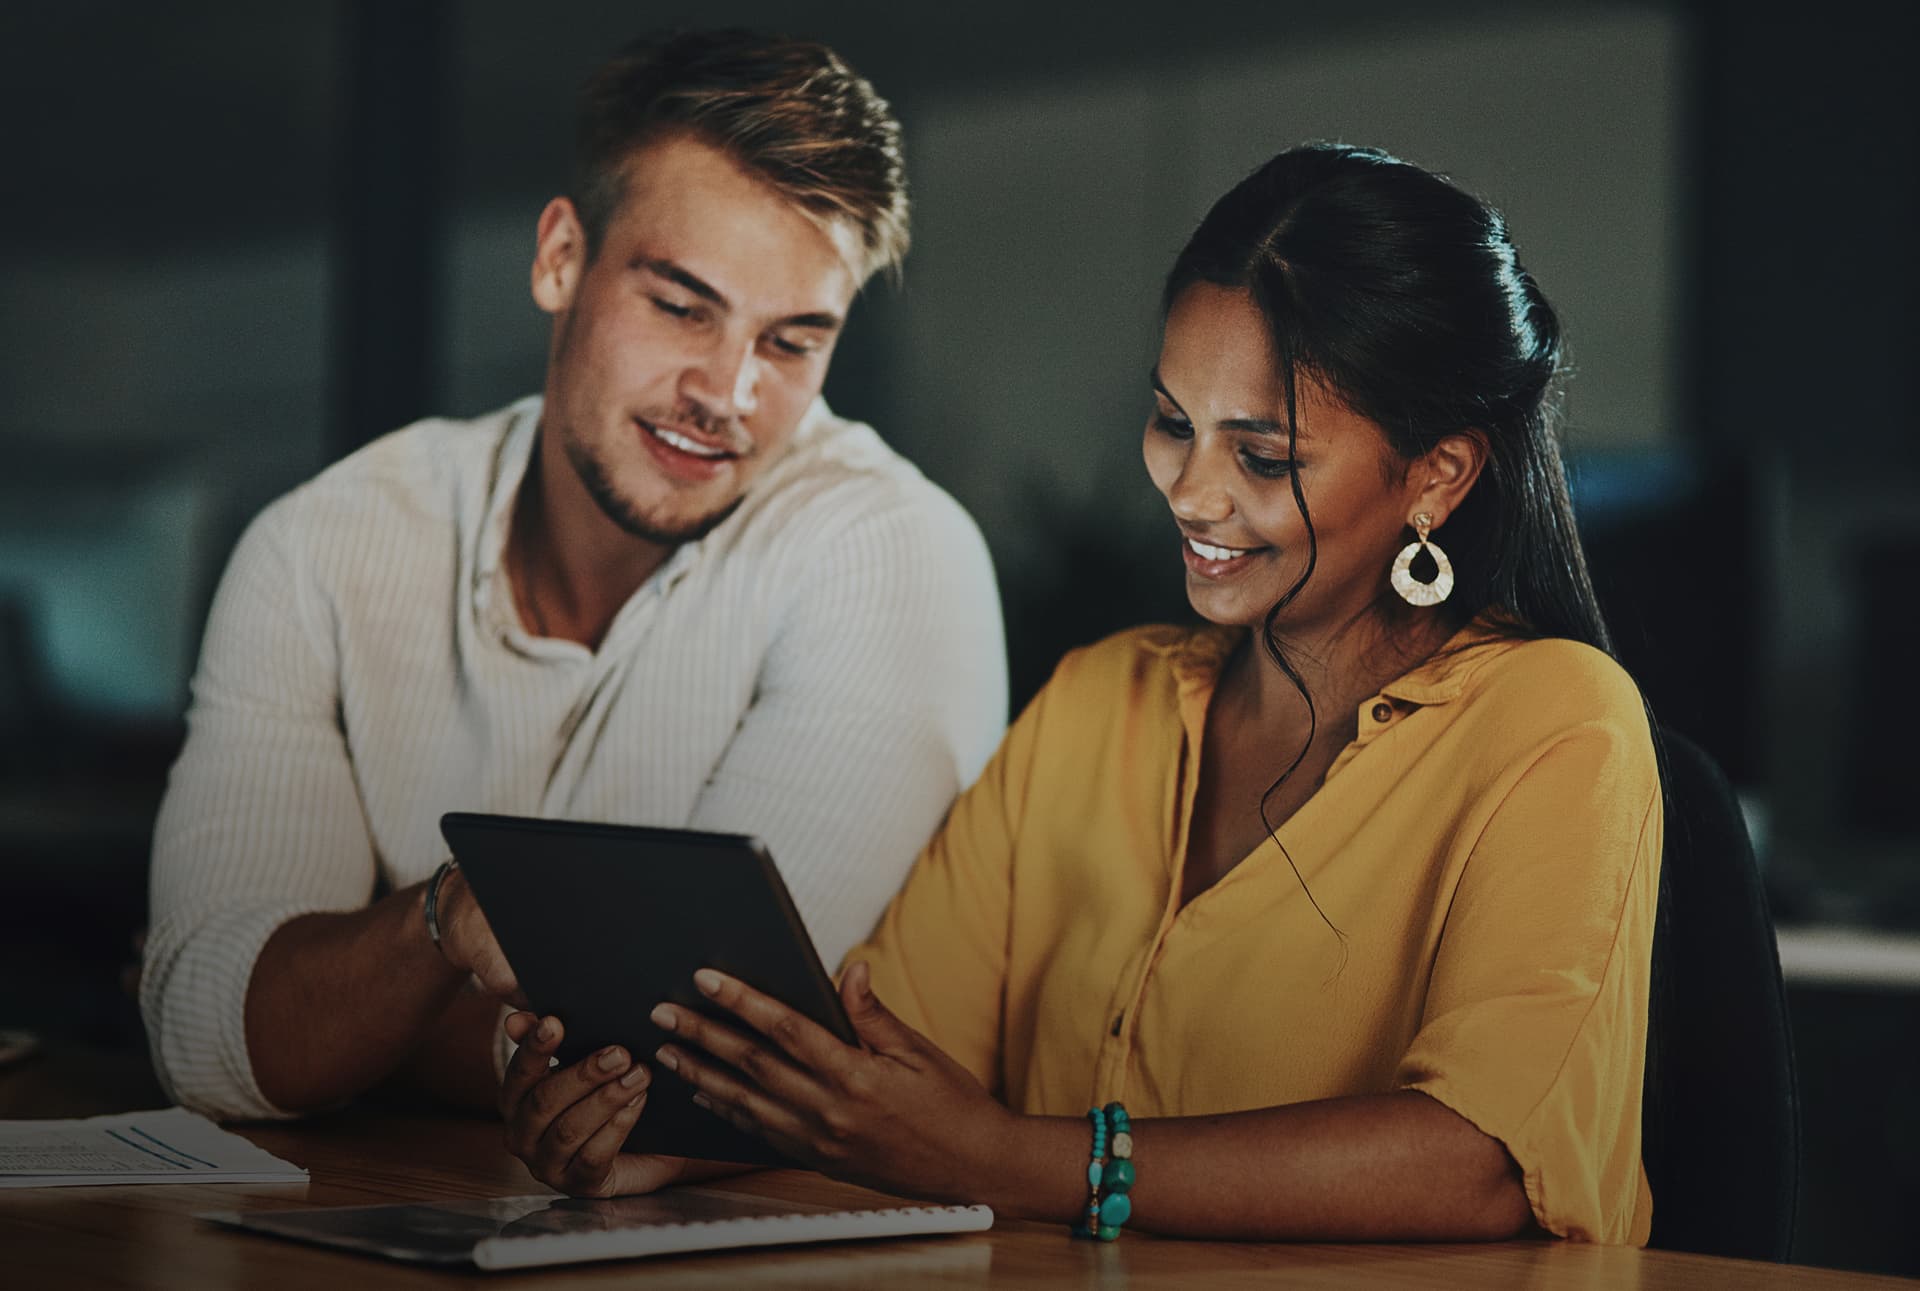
point(808, 1043)
point(733, 1099)
point(872, 1021)
point(768, 1069)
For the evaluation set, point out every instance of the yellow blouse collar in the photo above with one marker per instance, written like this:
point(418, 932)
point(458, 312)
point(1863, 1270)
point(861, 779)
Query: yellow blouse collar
point(1196, 655)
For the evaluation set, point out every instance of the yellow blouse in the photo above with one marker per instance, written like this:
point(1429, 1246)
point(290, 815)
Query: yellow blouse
point(1488, 847)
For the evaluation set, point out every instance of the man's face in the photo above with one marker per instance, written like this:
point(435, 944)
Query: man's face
point(686, 350)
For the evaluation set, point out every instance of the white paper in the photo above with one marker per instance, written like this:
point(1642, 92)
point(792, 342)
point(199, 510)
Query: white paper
point(168, 1146)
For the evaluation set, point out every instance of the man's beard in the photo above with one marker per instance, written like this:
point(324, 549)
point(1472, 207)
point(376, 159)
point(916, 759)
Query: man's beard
point(617, 509)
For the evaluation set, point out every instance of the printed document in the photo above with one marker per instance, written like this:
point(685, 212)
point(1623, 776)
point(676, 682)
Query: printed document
point(169, 1146)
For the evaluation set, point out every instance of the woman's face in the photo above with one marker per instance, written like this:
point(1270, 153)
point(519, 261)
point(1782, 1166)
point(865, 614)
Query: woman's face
point(1216, 447)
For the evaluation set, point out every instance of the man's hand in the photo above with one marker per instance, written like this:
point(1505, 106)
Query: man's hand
point(466, 940)
point(569, 1123)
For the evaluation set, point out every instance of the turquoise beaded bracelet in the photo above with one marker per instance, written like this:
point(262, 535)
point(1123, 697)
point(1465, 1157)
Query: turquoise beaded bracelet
point(1110, 1174)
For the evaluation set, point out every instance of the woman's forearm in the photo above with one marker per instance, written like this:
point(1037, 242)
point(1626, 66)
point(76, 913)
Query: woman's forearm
point(1373, 1167)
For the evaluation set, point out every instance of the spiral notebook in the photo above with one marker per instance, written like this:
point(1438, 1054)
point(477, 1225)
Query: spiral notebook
point(527, 1232)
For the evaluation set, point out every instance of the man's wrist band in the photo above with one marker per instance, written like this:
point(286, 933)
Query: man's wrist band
point(447, 867)
point(1110, 1174)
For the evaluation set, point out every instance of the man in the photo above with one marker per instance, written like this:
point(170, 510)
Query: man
point(676, 590)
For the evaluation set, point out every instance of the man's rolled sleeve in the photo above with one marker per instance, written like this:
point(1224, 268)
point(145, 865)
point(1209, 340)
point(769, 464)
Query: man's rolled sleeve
point(261, 823)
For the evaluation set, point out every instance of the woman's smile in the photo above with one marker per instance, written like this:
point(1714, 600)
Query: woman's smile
point(1217, 560)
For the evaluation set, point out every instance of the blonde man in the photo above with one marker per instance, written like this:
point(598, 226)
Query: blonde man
point(674, 589)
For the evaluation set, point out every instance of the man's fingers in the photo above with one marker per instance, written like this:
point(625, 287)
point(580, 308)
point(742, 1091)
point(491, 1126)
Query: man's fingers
point(530, 1062)
point(495, 976)
point(562, 1088)
point(592, 1169)
point(469, 943)
point(635, 1172)
point(577, 1152)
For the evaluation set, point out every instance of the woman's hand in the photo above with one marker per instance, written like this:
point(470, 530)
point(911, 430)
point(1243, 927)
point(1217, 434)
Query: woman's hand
point(894, 1113)
point(568, 1123)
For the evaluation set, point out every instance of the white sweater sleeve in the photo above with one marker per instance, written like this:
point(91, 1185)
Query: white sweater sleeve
point(882, 695)
point(261, 821)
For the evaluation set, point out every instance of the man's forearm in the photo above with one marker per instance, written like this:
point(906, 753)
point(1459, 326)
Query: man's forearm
point(453, 1060)
point(339, 1001)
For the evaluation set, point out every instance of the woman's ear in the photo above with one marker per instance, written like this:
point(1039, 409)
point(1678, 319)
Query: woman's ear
point(1446, 472)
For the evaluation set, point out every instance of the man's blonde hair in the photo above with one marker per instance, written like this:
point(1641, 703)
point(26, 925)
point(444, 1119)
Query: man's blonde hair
point(790, 111)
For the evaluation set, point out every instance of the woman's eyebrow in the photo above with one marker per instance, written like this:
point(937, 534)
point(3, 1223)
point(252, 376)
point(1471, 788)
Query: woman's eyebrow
point(1257, 425)
point(1160, 386)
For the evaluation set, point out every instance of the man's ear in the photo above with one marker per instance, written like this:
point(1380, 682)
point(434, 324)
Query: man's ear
point(1445, 473)
point(559, 256)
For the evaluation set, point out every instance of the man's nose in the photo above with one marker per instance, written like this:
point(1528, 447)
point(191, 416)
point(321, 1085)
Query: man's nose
point(726, 379)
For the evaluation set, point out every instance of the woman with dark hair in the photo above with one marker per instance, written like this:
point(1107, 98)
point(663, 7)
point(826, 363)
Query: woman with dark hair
point(1337, 910)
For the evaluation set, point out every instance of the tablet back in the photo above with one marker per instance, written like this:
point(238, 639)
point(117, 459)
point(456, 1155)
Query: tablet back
point(603, 922)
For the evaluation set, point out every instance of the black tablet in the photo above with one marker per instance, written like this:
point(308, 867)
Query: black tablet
point(602, 922)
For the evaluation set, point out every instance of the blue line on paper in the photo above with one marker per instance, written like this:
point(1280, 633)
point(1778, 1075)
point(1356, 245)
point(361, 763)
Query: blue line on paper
point(169, 1147)
point(149, 1151)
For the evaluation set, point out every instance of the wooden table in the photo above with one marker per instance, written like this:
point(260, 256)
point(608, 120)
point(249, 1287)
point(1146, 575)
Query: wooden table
point(147, 1237)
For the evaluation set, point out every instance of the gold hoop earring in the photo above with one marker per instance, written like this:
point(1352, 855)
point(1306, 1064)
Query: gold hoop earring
point(1411, 589)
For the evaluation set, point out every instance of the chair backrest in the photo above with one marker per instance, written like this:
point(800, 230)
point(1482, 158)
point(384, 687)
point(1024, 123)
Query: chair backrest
point(1722, 1128)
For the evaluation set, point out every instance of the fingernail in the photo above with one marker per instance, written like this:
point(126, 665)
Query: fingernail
point(708, 981)
point(667, 1058)
point(636, 1078)
point(701, 1100)
point(635, 1100)
point(544, 1033)
point(612, 1059)
point(663, 1017)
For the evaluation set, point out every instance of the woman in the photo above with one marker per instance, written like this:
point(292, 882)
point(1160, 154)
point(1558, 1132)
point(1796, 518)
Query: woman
point(1347, 896)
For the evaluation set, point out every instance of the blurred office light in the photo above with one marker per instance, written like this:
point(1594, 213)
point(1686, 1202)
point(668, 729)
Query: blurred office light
point(1050, 210)
point(389, 224)
point(1884, 760)
point(109, 580)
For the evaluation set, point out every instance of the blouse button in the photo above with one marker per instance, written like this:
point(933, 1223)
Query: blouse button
point(1383, 712)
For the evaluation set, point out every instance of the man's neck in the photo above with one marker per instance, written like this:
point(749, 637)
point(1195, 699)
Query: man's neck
point(570, 566)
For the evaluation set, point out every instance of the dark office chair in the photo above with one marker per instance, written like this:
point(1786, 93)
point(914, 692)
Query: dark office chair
point(1722, 1126)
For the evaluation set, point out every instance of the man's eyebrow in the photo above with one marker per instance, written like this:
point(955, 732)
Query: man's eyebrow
point(1257, 425)
point(675, 274)
point(707, 291)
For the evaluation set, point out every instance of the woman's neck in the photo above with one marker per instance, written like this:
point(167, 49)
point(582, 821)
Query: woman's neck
point(1339, 668)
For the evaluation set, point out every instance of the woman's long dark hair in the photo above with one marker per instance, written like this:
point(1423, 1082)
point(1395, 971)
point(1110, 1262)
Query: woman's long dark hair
point(1402, 296)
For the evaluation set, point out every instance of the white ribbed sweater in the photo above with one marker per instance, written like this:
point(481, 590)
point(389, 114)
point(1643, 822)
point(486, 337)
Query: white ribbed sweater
point(824, 670)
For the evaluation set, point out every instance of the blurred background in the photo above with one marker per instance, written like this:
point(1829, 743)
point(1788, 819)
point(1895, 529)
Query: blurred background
point(237, 241)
